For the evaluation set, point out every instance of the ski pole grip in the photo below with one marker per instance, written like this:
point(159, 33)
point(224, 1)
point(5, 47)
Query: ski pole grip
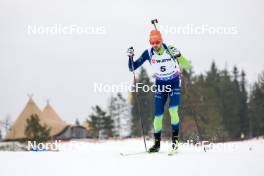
point(131, 57)
point(154, 21)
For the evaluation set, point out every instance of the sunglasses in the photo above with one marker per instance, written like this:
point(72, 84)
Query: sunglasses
point(157, 42)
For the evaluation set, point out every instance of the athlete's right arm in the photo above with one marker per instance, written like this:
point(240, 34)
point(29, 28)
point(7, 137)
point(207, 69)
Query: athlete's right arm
point(144, 56)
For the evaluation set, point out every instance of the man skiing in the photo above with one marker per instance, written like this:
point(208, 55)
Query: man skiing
point(165, 61)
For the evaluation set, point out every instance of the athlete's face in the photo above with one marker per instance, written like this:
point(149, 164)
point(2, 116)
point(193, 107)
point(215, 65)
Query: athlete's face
point(156, 44)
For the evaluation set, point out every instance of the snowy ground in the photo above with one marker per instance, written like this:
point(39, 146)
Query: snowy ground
point(103, 158)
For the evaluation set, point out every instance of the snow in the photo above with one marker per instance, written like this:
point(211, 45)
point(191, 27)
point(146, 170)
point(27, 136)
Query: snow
point(78, 158)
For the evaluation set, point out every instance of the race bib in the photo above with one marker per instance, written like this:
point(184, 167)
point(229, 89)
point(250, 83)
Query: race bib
point(163, 65)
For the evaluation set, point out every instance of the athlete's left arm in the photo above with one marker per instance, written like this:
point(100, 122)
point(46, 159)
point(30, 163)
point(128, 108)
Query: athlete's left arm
point(185, 63)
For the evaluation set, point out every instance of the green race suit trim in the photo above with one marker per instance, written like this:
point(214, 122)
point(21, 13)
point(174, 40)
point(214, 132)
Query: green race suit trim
point(174, 115)
point(160, 51)
point(174, 119)
point(158, 123)
point(186, 64)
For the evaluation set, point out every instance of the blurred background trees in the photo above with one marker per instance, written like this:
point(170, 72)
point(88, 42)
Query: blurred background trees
point(218, 105)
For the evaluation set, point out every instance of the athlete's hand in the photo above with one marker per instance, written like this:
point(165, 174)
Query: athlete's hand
point(130, 52)
point(175, 52)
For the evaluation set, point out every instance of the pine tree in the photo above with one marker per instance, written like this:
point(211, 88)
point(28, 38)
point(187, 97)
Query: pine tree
point(35, 131)
point(256, 107)
point(235, 120)
point(119, 112)
point(243, 112)
point(114, 113)
point(101, 123)
point(230, 97)
point(190, 100)
point(96, 121)
point(226, 108)
point(108, 126)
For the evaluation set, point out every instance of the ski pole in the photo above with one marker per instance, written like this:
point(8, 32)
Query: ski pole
point(137, 102)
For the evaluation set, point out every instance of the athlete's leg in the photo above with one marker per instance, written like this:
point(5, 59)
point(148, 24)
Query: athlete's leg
point(173, 108)
point(160, 100)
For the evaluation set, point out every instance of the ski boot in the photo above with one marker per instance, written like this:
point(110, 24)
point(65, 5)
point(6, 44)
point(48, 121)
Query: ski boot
point(156, 146)
point(175, 142)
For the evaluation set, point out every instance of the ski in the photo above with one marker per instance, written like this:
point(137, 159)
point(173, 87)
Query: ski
point(173, 152)
point(140, 153)
point(132, 153)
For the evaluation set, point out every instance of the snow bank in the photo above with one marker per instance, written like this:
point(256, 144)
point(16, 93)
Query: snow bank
point(103, 158)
